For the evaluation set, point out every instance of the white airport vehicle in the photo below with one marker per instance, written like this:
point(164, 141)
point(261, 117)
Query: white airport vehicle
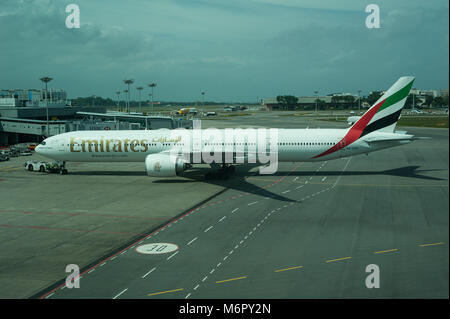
point(48, 167)
point(25, 153)
point(353, 119)
point(160, 149)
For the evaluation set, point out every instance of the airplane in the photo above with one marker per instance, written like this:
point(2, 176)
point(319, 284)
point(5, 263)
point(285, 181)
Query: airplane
point(161, 150)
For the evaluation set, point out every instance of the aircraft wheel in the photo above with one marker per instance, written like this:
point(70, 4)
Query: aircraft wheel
point(30, 167)
point(42, 169)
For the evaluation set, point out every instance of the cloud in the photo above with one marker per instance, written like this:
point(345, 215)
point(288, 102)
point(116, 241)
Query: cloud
point(232, 49)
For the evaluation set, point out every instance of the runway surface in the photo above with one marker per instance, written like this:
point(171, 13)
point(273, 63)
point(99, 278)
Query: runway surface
point(308, 231)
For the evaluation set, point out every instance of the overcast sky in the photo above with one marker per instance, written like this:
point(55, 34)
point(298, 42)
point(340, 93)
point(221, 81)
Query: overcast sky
point(233, 50)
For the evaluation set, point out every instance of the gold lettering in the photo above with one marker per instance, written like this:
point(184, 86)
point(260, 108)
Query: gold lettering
point(107, 144)
point(125, 142)
point(133, 144)
point(89, 143)
point(72, 144)
point(117, 147)
point(144, 144)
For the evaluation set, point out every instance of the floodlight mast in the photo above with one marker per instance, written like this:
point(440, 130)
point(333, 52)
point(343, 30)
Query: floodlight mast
point(128, 82)
point(359, 102)
point(139, 89)
point(317, 98)
point(118, 98)
point(46, 79)
point(152, 85)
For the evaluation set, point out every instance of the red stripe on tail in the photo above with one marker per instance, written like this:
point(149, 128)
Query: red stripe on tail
point(355, 131)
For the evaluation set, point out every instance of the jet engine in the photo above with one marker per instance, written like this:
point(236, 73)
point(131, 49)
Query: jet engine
point(162, 165)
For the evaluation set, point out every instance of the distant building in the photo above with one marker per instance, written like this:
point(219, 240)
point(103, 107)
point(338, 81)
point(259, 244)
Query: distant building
point(33, 98)
point(433, 93)
point(272, 103)
point(444, 92)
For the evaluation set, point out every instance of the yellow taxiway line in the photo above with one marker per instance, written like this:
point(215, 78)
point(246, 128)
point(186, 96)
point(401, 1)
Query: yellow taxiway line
point(338, 259)
point(291, 268)
point(385, 251)
point(433, 244)
point(219, 282)
point(164, 292)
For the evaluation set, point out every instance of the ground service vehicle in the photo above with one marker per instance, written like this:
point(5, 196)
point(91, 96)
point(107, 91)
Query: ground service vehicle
point(48, 167)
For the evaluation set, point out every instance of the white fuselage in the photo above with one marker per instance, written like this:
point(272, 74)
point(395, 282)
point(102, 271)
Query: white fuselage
point(292, 145)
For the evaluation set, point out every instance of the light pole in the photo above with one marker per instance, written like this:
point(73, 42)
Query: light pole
point(139, 89)
point(46, 79)
point(118, 98)
point(359, 102)
point(203, 100)
point(317, 97)
point(152, 85)
point(126, 102)
point(128, 82)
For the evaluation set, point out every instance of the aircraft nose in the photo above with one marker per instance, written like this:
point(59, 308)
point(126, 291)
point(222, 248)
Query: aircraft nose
point(39, 150)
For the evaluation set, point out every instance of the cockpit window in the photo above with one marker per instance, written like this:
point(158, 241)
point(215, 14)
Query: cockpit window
point(43, 143)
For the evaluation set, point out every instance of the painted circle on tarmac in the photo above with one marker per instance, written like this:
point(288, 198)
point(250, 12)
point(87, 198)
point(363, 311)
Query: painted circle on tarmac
point(156, 248)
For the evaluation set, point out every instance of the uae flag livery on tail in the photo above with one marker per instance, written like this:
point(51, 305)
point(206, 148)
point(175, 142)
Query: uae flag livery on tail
point(382, 116)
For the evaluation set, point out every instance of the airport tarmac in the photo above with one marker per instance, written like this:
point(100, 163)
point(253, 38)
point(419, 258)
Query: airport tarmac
point(308, 231)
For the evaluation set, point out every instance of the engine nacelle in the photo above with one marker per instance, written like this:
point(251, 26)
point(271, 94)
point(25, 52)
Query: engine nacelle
point(162, 165)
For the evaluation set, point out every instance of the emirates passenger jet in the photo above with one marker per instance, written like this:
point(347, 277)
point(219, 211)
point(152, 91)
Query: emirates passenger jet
point(168, 153)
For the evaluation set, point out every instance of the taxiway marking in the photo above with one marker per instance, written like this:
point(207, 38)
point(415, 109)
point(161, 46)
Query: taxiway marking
point(164, 292)
point(232, 279)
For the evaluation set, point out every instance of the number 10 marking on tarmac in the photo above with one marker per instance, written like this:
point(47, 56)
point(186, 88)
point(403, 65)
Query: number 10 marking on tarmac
point(156, 248)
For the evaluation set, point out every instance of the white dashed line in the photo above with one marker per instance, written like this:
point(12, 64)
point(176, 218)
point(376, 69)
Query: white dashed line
point(252, 203)
point(234, 210)
point(222, 218)
point(195, 288)
point(324, 178)
point(206, 230)
point(192, 241)
point(286, 191)
point(120, 293)
point(187, 296)
point(172, 255)
point(203, 280)
point(148, 273)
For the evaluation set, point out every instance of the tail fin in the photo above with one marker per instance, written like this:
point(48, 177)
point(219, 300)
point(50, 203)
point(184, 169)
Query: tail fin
point(384, 114)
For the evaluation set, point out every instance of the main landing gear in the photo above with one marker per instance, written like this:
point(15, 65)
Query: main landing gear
point(222, 173)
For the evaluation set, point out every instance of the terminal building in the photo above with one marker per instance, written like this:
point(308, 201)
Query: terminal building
point(32, 115)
